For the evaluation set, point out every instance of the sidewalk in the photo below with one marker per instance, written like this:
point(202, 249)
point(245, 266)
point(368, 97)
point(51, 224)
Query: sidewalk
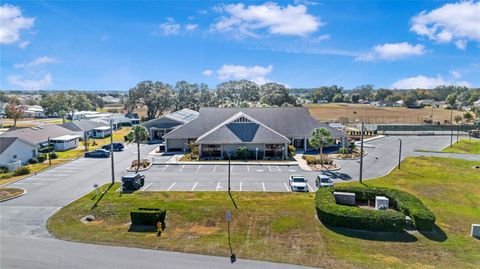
point(173, 161)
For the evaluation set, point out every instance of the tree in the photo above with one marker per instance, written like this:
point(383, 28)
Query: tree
point(468, 117)
point(77, 102)
point(451, 100)
point(275, 94)
point(382, 94)
point(457, 118)
point(156, 96)
point(14, 111)
point(364, 91)
point(326, 93)
point(409, 100)
point(237, 91)
point(320, 138)
point(355, 98)
point(137, 135)
point(338, 98)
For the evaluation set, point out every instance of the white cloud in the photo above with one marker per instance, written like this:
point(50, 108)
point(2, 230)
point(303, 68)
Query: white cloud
point(423, 82)
point(25, 84)
point(392, 51)
point(246, 20)
point(319, 39)
point(455, 74)
point(170, 27)
point(39, 61)
point(23, 44)
point(453, 22)
point(191, 27)
point(207, 73)
point(254, 73)
point(12, 22)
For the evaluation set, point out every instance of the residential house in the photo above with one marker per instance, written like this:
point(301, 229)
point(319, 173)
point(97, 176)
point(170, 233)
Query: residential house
point(15, 152)
point(267, 132)
point(33, 112)
point(88, 128)
point(387, 103)
point(41, 134)
point(158, 127)
point(110, 99)
point(64, 142)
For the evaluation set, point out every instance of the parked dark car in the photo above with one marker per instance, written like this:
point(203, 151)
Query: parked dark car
point(132, 182)
point(116, 147)
point(98, 153)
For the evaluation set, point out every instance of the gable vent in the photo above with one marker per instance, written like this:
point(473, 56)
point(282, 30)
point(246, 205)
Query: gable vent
point(242, 120)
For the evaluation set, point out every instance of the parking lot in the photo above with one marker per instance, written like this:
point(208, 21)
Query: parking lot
point(267, 178)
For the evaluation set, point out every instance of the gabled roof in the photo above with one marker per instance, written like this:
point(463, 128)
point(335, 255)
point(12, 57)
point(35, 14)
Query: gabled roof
point(82, 125)
point(241, 128)
point(291, 122)
point(39, 134)
point(172, 119)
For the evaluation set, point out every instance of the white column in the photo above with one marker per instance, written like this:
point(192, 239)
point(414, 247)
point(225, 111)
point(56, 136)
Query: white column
point(199, 151)
point(305, 144)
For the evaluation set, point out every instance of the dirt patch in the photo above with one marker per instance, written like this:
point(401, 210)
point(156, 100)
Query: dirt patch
point(325, 167)
point(203, 230)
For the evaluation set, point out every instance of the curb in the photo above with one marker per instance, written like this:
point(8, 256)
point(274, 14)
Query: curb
point(140, 170)
point(351, 159)
point(16, 196)
point(226, 163)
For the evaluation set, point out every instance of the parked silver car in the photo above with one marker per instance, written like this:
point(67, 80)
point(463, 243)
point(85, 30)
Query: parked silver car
point(298, 183)
point(323, 181)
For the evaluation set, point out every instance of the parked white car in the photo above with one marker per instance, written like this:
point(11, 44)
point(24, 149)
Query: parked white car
point(323, 181)
point(298, 183)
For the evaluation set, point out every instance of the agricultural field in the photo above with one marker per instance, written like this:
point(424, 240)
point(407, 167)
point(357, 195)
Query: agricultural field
point(283, 227)
point(373, 114)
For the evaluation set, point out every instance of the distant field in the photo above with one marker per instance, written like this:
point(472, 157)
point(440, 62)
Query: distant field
point(372, 114)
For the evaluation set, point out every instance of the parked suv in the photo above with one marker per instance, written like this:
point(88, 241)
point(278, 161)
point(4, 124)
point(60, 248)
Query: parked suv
point(98, 153)
point(132, 181)
point(323, 181)
point(116, 146)
point(298, 183)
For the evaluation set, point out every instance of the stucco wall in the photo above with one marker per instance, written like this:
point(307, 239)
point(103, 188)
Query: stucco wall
point(24, 152)
point(176, 144)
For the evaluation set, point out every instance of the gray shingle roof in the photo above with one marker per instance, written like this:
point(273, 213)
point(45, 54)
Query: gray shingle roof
point(36, 135)
point(173, 119)
point(82, 125)
point(6, 142)
point(293, 122)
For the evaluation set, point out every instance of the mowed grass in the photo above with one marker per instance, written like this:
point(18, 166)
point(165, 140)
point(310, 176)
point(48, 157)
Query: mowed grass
point(283, 227)
point(373, 114)
point(464, 146)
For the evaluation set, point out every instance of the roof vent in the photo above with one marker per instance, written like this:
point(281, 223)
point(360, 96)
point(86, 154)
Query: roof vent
point(242, 120)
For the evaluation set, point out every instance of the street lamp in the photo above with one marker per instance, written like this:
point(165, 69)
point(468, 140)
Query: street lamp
point(256, 154)
point(49, 152)
point(229, 172)
point(111, 150)
point(361, 154)
point(400, 153)
point(451, 125)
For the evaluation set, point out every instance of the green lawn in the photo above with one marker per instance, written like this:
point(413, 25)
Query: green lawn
point(464, 146)
point(283, 227)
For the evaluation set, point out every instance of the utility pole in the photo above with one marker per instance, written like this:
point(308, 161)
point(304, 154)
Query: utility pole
point(228, 173)
point(361, 154)
point(49, 152)
point(111, 150)
point(400, 153)
point(451, 125)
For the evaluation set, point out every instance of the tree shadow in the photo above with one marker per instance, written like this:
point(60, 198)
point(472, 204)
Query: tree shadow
point(437, 234)
point(101, 196)
point(401, 236)
point(336, 175)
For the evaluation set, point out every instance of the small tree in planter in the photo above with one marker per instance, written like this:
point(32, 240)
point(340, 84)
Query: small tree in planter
point(137, 135)
point(320, 138)
point(242, 153)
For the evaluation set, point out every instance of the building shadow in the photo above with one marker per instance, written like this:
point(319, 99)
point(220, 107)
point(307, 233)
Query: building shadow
point(401, 236)
point(142, 228)
point(437, 234)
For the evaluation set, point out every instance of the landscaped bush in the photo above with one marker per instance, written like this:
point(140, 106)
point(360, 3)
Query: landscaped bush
point(422, 217)
point(53, 155)
point(22, 170)
point(143, 163)
point(3, 170)
point(41, 158)
point(292, 150)
point(242, 153)
point(7, 175)
point(33, 160)
point(148, 216)
point(331, 213)
point(316, 160)
point(344, 151)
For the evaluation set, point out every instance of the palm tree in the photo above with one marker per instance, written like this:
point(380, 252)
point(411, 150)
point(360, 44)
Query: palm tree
point(137, 135)
point(320, 138)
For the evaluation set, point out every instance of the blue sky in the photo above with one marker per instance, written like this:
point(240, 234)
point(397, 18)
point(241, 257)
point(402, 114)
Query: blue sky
point(109, 45)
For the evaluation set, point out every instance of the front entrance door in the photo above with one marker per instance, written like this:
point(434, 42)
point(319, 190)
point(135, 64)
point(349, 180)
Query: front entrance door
point(298, 143)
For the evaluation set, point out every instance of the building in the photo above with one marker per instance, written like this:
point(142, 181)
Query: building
point(39, 135)
point(88, 128)
point(33, 112)
point(265, 132)
point(15, 152)
point(65, 142)
point(110, 99)
point(387, 104)
point(158, 127)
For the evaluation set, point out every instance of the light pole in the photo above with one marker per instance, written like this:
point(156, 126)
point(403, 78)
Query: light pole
point(229, 173)
point(399, 153)
point(361, 155)
point(451, 125)
point(256, 154)
point(49, 153)
point(111, 150)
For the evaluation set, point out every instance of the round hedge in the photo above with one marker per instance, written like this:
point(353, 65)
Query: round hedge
point(331, 213)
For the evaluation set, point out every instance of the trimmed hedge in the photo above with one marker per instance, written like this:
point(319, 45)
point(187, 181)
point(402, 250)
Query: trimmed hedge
point(378, 220)
point(311, 159)
point(422, 217)
point(22, 170)
point(148, 216)
point(331, 213)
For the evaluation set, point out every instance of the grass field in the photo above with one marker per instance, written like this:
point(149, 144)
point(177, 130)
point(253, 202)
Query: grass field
point(283, 227)
point(373, 114)
point(464, 146)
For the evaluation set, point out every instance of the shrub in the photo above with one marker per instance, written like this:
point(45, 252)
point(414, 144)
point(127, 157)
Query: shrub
point(147, 216)
point(344, 151)
point(331, 213)
point(316, 160)
point(3, 170)
point(422, 217)
point(292, 150)
point(22, 171)
point(7, 175)
point(41, 158)
point(242, 152)
point(33, 160)
point(53, 155)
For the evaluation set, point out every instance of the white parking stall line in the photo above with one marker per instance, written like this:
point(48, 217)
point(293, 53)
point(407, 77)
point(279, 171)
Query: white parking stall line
point(144, 188)
point(310, 188)
point(194, 186)
point(241, 183)
point(270, 168)
point(292, 170)
point(117, 190)
point(215, 168)
point(198, 168)
point(248, 168)
point(218, 186)
point(263, 185)
point(259, 170)
point(286, 187)
point(165, 168)
point(171, 186)
point(181, 168)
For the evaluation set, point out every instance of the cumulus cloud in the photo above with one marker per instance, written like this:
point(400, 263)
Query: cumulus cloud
point(424, 82)
point(39, 61)
point(453, 22)
point(247, 20)
point(207, 73)
point(170, 27)
point(254, 73)
point(392, 51)
point(191, 27)
point(26, 84)
point(12, 22)
point(455, 74)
